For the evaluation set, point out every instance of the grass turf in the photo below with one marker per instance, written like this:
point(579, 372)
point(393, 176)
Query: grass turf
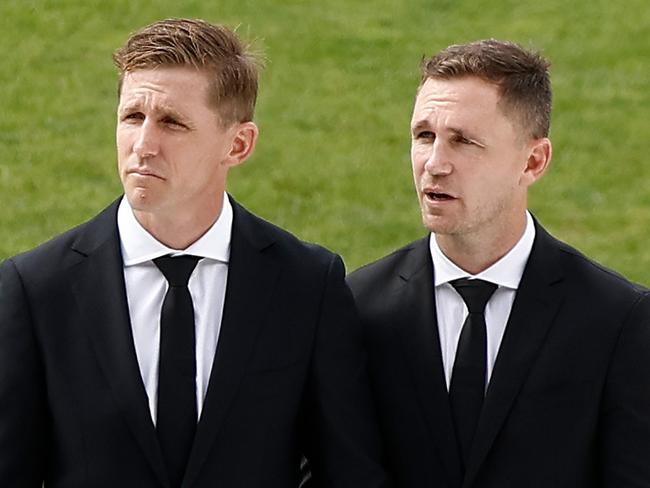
point(332, 164)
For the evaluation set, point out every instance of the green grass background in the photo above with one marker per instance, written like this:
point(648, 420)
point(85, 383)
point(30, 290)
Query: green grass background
point(332, 164)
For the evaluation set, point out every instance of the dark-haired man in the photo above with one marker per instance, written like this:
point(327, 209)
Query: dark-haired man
point(500, 357)
point(176, 339)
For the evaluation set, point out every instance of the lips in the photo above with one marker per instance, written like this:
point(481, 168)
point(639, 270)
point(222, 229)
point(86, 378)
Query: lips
point(144, 172)
point(437, 195)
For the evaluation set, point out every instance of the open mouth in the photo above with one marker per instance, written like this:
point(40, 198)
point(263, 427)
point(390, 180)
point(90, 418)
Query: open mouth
point(438, 197)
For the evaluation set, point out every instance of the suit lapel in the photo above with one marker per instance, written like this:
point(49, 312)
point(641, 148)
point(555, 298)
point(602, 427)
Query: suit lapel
point(101, 297)
point(537, 302)
point(252, 275)
point(418, 330)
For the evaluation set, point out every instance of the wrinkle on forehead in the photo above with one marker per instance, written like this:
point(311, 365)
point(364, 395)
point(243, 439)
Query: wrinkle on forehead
point(457, 105)
point(147, 100)
point(167, 91)
point(464, 93)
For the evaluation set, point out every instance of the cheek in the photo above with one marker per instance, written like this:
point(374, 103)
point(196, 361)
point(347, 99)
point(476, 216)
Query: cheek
point(123, 141)
point(121, 152)
point(202, 169)
point(419, 158)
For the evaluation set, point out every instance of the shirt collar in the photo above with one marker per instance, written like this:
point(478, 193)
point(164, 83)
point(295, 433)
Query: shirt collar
point(138, 246)
point(506, 272)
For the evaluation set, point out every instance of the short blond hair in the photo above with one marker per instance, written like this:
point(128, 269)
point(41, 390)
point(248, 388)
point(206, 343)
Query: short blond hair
point(217, 51)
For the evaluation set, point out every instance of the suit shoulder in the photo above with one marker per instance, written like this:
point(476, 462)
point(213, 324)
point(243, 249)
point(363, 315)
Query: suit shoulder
point(59, 251)
point(593, 274)
point(52, 251)
point(286, 245)
point(375, 275)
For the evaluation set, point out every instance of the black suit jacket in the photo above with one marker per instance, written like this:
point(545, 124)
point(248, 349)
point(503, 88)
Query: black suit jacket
point(288, 377)
point(568, 404)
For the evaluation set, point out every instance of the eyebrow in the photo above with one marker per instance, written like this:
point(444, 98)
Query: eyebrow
point(420, 124)
point(158, 110)
point(424, 124)
point(461, 133)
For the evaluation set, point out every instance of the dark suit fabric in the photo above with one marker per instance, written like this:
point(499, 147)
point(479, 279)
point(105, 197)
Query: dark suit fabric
point(289, 374)
point(568, 404)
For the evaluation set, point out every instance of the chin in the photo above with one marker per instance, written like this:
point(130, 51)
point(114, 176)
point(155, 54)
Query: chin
point(140, 199)
point(437, 224)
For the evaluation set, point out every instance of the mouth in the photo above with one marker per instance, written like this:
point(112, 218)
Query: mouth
point(438, 196)
point(144, 173)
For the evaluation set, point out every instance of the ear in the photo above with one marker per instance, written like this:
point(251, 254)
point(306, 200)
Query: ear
point(243, 143)
point(540, 152)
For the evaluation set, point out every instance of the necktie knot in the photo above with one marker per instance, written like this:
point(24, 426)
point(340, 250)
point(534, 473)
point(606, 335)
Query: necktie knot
point(177, 270)
point(475, 293)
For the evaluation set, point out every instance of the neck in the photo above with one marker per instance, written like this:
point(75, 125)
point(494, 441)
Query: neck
point(179, 230)
point(475, 253)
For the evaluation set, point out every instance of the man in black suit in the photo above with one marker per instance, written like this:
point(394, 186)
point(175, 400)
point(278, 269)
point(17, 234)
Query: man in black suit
point(499, 356)
point(176, 339)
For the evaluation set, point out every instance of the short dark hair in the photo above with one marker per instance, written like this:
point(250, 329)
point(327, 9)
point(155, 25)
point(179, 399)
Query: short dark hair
point(521, 77)
point(232, 70)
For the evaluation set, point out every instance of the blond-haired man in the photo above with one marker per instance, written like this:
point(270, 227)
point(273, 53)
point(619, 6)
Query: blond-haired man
point(176, 339)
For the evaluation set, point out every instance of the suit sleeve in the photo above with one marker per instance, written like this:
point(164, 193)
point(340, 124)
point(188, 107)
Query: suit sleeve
point(22, 392)
point(625, 428)
point(342, 441)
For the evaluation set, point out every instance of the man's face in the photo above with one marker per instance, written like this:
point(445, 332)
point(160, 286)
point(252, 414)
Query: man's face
point(468, 160)
point(171, 146)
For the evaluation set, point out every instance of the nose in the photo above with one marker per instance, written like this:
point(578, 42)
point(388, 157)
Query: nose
point(438, 162)
point(147, 141)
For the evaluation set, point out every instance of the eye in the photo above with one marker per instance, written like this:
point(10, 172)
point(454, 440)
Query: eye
point(425, 135)
point(173, 122)
point(459, 139)
point(132, 116)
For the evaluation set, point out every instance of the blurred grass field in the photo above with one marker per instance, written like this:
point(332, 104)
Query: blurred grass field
point(332, 164)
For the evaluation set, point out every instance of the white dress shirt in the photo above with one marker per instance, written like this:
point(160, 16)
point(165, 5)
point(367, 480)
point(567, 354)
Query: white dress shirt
point(451, 310)
point(146, 287)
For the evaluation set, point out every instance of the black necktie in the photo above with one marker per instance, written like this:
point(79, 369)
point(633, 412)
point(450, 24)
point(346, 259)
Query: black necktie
point(467, 387)
point(177, 417)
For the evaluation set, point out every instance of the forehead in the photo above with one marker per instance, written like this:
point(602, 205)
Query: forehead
point(463, 99)
point(177, 87)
